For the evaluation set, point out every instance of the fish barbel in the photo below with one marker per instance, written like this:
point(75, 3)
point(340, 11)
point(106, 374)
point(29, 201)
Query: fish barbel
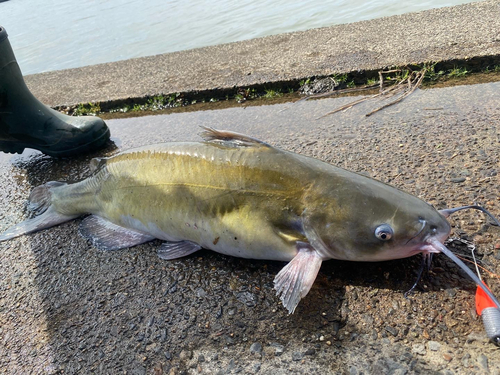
point(239, 196)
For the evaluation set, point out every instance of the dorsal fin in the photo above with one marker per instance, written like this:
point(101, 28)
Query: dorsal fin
point(233, 138)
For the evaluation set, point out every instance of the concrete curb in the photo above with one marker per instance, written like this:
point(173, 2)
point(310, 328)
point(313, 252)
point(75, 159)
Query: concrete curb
point(469, 32)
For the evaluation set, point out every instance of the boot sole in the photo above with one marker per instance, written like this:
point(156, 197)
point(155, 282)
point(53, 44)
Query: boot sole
point(18, 147)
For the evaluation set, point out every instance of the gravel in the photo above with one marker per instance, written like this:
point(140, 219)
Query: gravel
point(66, 307)
point(256, 348)
point(434, 346)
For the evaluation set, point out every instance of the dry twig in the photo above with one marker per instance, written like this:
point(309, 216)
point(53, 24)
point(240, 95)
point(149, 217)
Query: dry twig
point(337, 92)
point(412, 86)
point(403, 88)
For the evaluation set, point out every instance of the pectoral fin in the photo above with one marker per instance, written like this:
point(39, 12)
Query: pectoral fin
point(107, 236)
point(174, 250)
point(295, 280)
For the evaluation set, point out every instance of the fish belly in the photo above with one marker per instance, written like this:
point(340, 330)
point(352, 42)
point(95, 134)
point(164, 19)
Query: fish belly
point(222, 199)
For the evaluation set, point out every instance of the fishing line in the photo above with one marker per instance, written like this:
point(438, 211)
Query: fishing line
point(467, 270)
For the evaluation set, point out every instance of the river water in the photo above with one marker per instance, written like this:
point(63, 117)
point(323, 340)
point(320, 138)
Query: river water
point(53, 35)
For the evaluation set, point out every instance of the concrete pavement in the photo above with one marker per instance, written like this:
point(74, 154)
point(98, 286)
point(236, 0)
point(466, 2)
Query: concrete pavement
point(66, 307)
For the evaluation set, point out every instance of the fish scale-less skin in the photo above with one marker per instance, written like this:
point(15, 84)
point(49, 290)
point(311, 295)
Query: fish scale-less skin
point(241, 201)
point(251, 201)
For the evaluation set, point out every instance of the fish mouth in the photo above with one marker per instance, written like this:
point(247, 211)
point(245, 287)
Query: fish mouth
point(424, 223)
point(433, 242)
point(424, 237)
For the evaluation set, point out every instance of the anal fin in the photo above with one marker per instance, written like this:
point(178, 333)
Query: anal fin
point(174, 250)
point(107, 236)
point(295, 280)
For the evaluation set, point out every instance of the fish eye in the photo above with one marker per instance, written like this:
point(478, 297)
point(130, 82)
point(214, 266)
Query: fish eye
point(384, 232)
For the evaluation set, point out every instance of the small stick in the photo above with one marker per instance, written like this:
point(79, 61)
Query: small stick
point(336, 92)
point(347, 106)
point(403, 96)
point(390, 91)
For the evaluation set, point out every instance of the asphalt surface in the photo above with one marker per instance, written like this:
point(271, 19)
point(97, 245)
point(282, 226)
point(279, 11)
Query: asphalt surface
point(66, 307)
point(453, 34)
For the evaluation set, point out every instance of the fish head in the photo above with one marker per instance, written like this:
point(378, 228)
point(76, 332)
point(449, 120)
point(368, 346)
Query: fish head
point(376, 225)
point(411, 228)
point(370, 221)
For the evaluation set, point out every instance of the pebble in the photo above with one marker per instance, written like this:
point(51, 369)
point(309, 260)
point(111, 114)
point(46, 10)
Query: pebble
point(433, 345)
point(218, 313)
point(138, 370)
point(256, 367)
point(393, 331)
point(185, 355)
point(458, 179)
point(140, 337)
point(426, 334)
point(231, 365)
point(163, 335)
point(474, 336)
point(310, 351)
point(451, 292)
point(278, 349)
point(297, 356)
point(418, 349)
point(465, 360)
point(246, 298)
point(405, 357)
point(256, 347)
point(483, 361)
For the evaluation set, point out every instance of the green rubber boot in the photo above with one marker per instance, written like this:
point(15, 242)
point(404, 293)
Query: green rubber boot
point(27, 123)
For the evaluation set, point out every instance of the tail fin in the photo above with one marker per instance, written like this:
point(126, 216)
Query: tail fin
point(40, 203)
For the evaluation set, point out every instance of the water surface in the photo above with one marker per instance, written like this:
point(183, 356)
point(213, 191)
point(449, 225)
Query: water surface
point(53, 35)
